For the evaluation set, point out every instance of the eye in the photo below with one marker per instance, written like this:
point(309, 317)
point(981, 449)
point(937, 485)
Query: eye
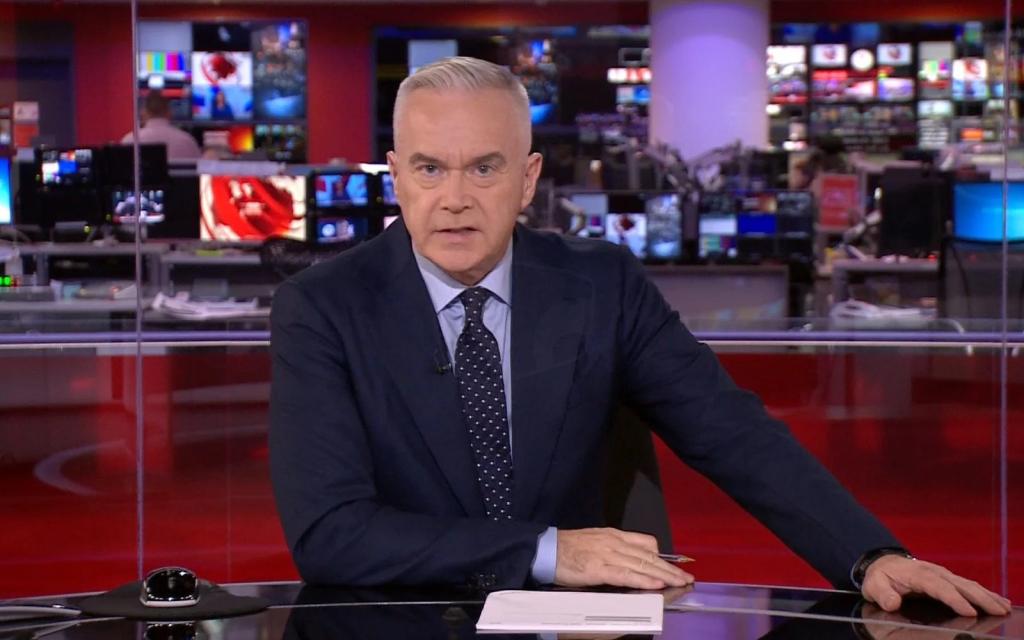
point(429, 170)
point(484, 170)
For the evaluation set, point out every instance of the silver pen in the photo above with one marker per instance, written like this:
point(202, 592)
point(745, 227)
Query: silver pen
point(675, 557)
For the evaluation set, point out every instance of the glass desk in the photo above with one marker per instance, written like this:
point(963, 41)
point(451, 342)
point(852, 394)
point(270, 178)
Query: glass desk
point(709, 610)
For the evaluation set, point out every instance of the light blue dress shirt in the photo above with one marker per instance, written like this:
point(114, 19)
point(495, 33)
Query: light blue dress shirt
point(444, 294)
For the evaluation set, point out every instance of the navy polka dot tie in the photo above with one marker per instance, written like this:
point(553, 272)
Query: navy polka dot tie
point(478, 365)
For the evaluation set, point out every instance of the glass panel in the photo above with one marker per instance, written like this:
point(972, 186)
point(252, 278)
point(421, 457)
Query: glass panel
point(1006, 74)
point(68, 301)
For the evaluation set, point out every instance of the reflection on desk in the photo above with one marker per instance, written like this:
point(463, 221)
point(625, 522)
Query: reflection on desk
point(708, 611)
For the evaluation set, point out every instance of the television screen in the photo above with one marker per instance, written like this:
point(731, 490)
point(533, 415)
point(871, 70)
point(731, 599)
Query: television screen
point(833, 85)
point(168, 66)
point(237, 139)
point(970, 79)
point(236, 208)
point(6, 216)
point(281, 142)
point(221, 68)
point(756, 224)
point(895, 54)
point(341, 190)
point(123, 209)
point(627, 229)
point(220, 36)
point(828, 55)
point(330, 229)
point(279, 71)
point(221, 103)
point(591, 203)
point(62, 167)
point(664, 227)
point(387, 186)
point(978, 212)
point(896, 89)
point(787, 74)
point(534, 64)
point(717, 236)
point(794, 203)
point(935, 69)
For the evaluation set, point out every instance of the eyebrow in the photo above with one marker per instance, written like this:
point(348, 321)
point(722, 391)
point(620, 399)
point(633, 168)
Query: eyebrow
point(495, 157)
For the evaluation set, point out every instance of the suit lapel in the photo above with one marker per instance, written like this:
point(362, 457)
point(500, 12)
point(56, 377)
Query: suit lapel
point(411, 343)
point(549, 313)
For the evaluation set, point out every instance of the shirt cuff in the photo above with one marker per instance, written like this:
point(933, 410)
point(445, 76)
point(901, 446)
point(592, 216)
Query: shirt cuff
point(543, 568)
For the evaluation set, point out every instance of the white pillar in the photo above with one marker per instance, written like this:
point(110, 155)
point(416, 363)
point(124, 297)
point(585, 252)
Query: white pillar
point(708, 84)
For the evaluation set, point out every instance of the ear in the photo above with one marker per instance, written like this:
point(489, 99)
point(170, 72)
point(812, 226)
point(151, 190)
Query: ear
point(395, 178)
point(392, 165)
point(534, 162)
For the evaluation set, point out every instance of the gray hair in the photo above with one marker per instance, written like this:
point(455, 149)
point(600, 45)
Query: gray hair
point(463, 73)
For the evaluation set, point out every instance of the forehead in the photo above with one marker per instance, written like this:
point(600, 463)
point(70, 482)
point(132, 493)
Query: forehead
point(457, 121)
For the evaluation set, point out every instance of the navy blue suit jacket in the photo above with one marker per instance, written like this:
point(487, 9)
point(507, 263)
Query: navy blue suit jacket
point(372, 472)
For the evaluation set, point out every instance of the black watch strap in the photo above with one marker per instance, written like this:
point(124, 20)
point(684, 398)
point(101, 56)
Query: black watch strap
point(860, 568)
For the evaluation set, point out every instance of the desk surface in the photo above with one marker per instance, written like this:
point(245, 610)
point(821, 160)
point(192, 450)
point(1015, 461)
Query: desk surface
point(708, 611)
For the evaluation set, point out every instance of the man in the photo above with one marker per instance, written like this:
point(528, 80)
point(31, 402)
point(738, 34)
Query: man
point(156, 128)
point(441, 393)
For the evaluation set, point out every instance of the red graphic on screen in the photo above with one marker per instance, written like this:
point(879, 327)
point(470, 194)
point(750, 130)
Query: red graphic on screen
point(249, 208)
point(218, 67)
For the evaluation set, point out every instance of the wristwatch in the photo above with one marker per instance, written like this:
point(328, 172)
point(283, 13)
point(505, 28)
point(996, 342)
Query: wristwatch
point(860, 568)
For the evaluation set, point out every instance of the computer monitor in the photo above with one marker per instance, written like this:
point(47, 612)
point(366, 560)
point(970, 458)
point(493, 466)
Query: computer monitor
point(123, 209)
point(664, 227)
point(335, 229)
point(629, 230)
point(387, 190)
point(66, 195)
point(66, 168)
point(717, 236)
point(342, 190)
point(247, 208)
point(916, 202)
point(6, 201)
point(118, 161)
point(978, 212)
point(281, 142)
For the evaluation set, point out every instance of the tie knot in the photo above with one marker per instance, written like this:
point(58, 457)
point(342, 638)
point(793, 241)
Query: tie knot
point(473, 300)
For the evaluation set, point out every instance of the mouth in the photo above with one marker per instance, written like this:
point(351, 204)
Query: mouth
point(457, 232)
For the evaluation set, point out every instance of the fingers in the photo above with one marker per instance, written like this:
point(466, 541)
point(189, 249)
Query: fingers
point(881, 592)
point(589, 557)
point(989, 602)
point(651, 565)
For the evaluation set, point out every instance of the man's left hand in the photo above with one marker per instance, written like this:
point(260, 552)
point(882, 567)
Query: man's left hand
point(891, 577)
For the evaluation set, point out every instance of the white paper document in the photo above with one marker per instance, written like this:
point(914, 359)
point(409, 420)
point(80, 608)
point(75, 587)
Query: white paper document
point(570, 611)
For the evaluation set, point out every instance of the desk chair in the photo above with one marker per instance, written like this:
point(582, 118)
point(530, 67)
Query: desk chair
point(634, 500)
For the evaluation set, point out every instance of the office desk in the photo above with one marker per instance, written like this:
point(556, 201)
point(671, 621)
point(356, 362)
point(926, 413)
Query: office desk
point(920, 271)
point(708, 611)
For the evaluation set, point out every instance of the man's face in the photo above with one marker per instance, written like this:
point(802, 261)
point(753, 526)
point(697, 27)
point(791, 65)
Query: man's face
point(463, 173)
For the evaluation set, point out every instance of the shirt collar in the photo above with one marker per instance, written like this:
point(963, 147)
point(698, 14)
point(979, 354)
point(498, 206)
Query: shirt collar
point(443, 288)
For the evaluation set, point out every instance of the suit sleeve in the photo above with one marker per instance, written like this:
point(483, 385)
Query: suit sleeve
point(322, 473)
point(726, 434)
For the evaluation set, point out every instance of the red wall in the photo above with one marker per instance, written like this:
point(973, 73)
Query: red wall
point(340, 48)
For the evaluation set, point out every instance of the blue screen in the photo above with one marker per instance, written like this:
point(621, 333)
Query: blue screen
point(5, 191)
point(978, 212)
point(752, 223)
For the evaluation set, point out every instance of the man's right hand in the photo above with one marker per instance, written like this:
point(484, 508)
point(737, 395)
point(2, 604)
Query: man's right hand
point(592, 557)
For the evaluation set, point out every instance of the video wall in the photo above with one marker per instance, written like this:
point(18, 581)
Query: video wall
point(883, 87)
point(879, 87)
point(235, 85)
point(570, 73)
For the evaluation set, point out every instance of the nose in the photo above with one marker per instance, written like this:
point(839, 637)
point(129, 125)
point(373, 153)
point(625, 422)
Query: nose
point(455, 198)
